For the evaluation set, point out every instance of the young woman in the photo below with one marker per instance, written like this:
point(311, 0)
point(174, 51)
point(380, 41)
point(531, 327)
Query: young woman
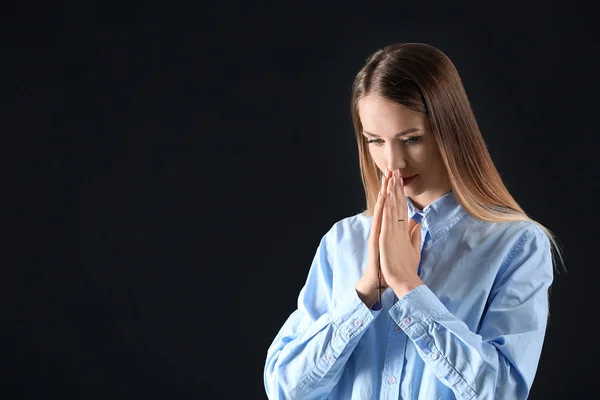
point(439, 289)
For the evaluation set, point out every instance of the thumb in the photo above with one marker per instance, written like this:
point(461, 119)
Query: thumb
point(415, 237)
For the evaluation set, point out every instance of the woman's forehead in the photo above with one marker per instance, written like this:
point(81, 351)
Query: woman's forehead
point(380, 116)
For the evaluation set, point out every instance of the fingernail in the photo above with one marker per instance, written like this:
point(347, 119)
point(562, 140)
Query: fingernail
point(386, 172)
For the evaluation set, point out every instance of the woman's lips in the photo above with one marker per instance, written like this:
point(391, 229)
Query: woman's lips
point(408, 180)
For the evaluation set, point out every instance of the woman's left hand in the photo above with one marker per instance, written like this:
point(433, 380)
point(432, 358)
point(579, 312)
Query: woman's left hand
point(399, 241)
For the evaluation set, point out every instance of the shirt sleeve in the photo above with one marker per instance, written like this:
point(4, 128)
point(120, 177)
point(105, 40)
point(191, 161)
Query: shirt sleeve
point(307, 357)
point(500, 361)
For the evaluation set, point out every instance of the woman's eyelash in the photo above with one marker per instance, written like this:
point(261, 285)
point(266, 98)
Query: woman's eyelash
point(410, 140)
point(374, 141)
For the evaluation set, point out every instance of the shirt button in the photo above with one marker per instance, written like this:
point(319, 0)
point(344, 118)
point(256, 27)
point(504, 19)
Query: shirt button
point(391, 379)
point(329, 357)
point(434, 356)
point(357, 322)
point(406, 321)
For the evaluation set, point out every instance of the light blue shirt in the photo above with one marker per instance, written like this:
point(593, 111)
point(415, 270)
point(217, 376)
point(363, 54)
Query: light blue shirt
point(474, 330)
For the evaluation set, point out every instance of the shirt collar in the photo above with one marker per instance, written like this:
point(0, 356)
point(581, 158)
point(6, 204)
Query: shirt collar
point(439, 216)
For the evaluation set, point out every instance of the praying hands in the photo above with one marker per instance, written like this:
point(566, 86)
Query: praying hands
point(394, 244)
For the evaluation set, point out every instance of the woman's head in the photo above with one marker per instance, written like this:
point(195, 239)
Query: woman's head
point(423, 86)
point(415, 87)
point(399, 138)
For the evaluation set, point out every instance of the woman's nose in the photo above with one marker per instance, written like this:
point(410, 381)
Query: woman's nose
point(395, 159)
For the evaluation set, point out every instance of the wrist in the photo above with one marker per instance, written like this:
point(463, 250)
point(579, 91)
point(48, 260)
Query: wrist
point(401, 288)
point(366, 292)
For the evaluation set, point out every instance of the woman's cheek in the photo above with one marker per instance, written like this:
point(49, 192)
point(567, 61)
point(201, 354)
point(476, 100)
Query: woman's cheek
point(376, 156)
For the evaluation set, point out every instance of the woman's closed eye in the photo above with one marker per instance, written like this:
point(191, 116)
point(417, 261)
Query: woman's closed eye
point(410, 140)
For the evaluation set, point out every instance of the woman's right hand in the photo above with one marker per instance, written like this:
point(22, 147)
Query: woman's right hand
point(365, 287)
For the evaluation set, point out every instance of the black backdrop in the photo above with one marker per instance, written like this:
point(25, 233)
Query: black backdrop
point(171, 172)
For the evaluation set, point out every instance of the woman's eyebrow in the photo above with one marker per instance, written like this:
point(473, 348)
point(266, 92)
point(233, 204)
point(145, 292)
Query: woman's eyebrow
point(404, 132)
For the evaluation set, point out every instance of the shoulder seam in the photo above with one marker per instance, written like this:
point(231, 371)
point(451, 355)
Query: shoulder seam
point(526, 236)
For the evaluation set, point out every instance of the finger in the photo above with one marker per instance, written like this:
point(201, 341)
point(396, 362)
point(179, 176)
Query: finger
point(379, 205)
point(411, 225)
point(377, 212)
point(402, 208)
point(389, 209)
point(415, 236)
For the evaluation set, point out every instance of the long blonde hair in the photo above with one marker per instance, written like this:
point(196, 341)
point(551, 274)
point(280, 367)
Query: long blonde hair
point(423, 79)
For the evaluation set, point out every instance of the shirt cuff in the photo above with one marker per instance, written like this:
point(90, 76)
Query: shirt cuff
point(416, 313)
point(352, 316)
point(419, 306)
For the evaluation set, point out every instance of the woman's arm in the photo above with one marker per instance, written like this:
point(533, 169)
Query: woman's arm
point(307, 357)
point(500, 361)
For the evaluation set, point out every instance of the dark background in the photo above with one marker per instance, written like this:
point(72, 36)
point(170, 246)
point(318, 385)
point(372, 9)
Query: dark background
point(172, 170)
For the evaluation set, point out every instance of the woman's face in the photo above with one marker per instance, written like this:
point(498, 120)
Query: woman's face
point(399, 138)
